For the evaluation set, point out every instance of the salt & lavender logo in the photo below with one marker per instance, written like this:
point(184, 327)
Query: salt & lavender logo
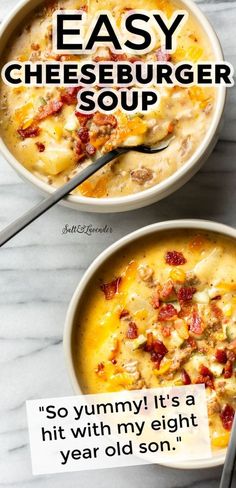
point(87, 229)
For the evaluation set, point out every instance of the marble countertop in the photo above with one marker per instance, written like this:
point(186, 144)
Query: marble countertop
point(40, 269)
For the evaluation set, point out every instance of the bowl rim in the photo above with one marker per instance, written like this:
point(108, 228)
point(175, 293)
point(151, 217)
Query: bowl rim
point(142, 198)
point(197, 224)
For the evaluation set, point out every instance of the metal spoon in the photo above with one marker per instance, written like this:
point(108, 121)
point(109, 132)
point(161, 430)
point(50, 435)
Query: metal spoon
point(26, 219)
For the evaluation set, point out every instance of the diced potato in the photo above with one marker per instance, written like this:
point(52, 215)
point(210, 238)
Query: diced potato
point(201, 297)
point(136, 343)
point(52, 128)
point(217, 369)
point(206, 268)
point(57, 159)
point(72, 123)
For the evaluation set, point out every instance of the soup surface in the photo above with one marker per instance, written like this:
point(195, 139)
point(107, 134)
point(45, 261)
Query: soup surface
point(162, 312)
point(43, 130)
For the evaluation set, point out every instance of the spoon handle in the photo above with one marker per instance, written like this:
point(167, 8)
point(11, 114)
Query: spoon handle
point(19, 224)
point(230, 460)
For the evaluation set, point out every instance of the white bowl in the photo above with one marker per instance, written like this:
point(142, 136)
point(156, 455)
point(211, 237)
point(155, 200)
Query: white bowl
point(70, 324)
point(157, 192)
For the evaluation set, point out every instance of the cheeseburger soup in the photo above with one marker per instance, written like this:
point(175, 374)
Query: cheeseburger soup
point(43, 130)
point(162, 312)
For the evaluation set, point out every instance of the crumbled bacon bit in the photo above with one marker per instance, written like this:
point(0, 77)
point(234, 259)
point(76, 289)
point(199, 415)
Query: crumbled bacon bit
point(158, 352)
point(79, 148)
point(40, 146)
point(218, 297)
point(51, 108)
point(186, 310)
point(84, 8)
point(32, 131)
point(206, 377)
point(90, 149)
point(156, 348)
point(162, 55)
point(167, 312)
point(231, 355)
point(217, 312)
point(100, 368)
point(167, 289)
point(132, 332)
point(185, 377)
point(191, 342)
point(83, 134)
point(69, 95)
point(117, 57)
point(83, 118)
point(196, 324)
point(185, 294)
point(221, 356)
point(103, 119)
point(166, 330)
point(227, 416)
point(124, 313)
point(156, 301)
point(110, 289)
point(228, 371)
point(175, 258)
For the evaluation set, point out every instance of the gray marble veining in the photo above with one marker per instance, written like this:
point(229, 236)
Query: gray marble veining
point(40, 269)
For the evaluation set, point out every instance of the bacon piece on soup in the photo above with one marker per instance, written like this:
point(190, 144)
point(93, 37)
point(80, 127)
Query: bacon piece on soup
point(83, 134)
point(206, 377)
point(158, 352)
point(90, 149)
point(167, 312)
point(40, 146)
point(51, 108)
point(228, 371)
point(185, 377)
point(156, 301)
point(132, 332)
point(32, 131)
point(123, 314)
point(83, 118)
point(103, 119)
point(227, 416)
point(185, 294)
point(69, 95)
point(221, 356)
point(167, 289)
point(111, 289)
point(175, 258)
point(196, 324)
